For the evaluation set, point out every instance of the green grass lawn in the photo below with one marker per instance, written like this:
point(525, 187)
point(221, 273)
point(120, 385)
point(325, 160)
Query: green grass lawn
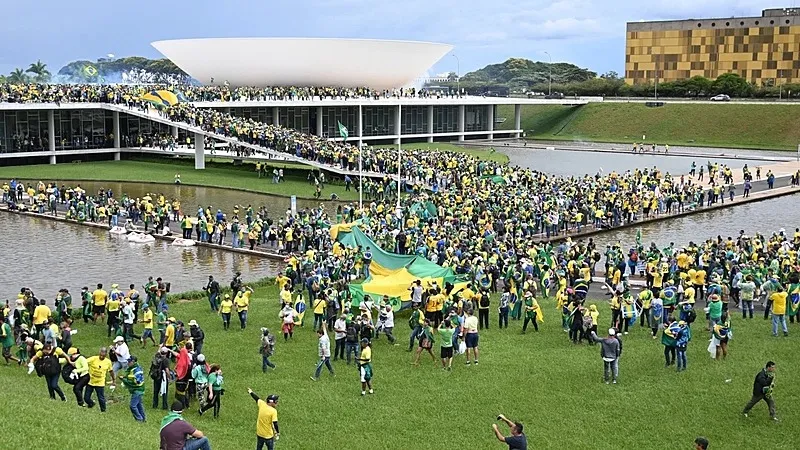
point(553, 387)
point(482, 152)
point(216, 174)
point(704, 124)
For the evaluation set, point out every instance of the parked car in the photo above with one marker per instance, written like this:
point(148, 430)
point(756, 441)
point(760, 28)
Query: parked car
point(554, 96)
point(720, 98)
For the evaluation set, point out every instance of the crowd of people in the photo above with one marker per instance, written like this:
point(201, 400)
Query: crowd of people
point(123, 93)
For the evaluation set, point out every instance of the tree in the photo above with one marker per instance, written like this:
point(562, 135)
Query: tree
point(610, 75)
point(731, 84)
point(40, 72)
point(3, 79)
point(698, 85)
point(17, 76)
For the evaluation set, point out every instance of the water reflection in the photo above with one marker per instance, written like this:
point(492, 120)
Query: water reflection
point(46, 256)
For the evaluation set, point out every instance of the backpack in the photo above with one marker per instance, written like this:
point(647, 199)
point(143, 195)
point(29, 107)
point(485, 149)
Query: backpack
point(691, 316)
point(48, 365)
point(484, 301)
point(66, 374)
point(155, 367)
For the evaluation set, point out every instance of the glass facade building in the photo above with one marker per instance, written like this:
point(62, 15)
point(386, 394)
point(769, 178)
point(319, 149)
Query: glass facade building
point(763, 50)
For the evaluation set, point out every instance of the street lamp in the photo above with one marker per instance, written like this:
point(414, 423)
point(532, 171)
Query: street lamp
point(550, 66)
point(458, 74)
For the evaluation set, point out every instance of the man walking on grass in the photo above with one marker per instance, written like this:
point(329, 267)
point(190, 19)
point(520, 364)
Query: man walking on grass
point(324, 352)
point(763, 386)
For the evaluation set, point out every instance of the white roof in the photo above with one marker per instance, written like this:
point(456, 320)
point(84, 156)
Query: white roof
point(378, 64)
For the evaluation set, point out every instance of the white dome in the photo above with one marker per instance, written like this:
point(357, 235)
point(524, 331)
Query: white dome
point(378, 64)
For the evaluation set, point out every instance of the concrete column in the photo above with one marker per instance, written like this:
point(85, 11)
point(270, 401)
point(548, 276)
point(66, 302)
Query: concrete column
point(199, 151)
point(359, 126)
point(517, 119)
point(175, 132)
point(320, 132)
point(115, 120)
point(490, 125)
point(430, 123)
point(276, 115)
point(116, 156)
point(51, 131)
point(461, 122)
point(398, 124)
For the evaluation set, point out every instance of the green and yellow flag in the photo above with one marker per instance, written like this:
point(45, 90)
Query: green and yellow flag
point(342, 131)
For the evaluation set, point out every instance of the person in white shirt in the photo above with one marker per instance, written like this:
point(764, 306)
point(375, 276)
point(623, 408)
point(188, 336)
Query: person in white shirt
point(128, 317)
point(324, 352)
point(386, 324)
point(340, 335)
point(123, 354)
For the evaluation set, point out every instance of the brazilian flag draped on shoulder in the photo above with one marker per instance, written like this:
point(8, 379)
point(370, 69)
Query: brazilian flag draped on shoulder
point(392, 274)
point(670, 335)
point(794, 299)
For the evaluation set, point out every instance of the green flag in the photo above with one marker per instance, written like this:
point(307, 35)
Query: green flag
point(638, 237)
point(342, 131)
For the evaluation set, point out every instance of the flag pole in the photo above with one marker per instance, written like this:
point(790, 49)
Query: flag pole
point(399, 166)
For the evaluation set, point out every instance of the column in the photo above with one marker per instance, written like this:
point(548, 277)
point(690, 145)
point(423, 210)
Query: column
point(430, 123)
point(461, 123)
point(276, 116)
point(319, 121)
point(51, 135)
point(115, 121)
point(175, 133)
point(490, 125)
point(199, 151)
point(359, 127)
point(398, 125)
point(517, 119)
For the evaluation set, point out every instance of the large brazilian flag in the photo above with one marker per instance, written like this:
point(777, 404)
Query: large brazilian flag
point(392, 274)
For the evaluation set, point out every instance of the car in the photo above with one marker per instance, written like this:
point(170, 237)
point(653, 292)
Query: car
point(554, 96)
point(720, 98)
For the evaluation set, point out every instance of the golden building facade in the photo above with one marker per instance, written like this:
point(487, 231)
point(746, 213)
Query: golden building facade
point(764, 50)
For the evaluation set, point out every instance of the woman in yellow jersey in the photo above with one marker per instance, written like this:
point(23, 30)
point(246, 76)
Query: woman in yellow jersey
point(365, 366)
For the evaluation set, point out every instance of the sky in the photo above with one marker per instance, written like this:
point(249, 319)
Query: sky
point(590, 34)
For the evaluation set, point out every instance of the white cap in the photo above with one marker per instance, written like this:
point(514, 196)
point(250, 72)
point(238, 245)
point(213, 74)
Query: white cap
point(612, 332)
point(201, 358)
point(119, 339)
point(192, 323)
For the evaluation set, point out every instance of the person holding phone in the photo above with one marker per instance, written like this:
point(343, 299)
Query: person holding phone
point(517, 440)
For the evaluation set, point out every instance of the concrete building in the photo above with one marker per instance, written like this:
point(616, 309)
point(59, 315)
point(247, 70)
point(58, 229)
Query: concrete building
point(763, 50)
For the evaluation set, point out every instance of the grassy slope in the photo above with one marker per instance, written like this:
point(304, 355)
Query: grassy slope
point(535, 119)
point(163, 171)
point(715, 125)
point(539, 379)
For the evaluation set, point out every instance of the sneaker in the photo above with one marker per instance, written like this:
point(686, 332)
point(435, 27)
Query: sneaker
point(614, 382)
point(371, 391)
point(606, 381)
point(363, 393)
point(314, 378)
point(467, 363)
point(200, 411)
point(775, 419)
point(745, 415)
point(626, 332)
point(476, 362)
point(785, 334)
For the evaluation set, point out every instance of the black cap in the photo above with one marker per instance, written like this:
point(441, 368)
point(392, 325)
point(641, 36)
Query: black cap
point(272, 398)
point(177, 406)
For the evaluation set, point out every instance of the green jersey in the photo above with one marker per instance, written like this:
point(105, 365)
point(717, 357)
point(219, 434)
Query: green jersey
point(447, 336)
point(7, 336)
point(161, 321)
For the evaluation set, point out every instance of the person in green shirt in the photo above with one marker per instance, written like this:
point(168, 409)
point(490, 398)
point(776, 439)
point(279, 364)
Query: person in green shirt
point(161, 321)
point(215, 390)
point(426, 341)
point(134, 382)
point(7, 339)
point(446, 332)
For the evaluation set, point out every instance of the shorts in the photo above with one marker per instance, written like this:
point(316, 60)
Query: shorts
point(6, 352)
point(366, 372)
point(447, 352)
point(98, 309)
point(148, 332)
point(471, 340)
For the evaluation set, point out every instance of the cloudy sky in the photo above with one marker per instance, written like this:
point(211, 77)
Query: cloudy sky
point(588, 33)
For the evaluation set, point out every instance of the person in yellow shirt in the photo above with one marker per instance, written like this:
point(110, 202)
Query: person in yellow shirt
point(779, 310)
point(242, 302)
point(112, 308)
point(169, 334)
point(147, 321)
point(699, 283)
point(286, 295)
point(50, 367)
point(319, 306)
point(267, 430)
point(99, 299)
point(225, 308)
point(40, 316)
point(99, 367)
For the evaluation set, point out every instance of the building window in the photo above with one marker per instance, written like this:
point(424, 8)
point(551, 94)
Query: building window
point(772, 22)
point(787, 21)
point(727, 24)
point(699, 25)
point(713, 24)
point(756, 22)
point(741, 23)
